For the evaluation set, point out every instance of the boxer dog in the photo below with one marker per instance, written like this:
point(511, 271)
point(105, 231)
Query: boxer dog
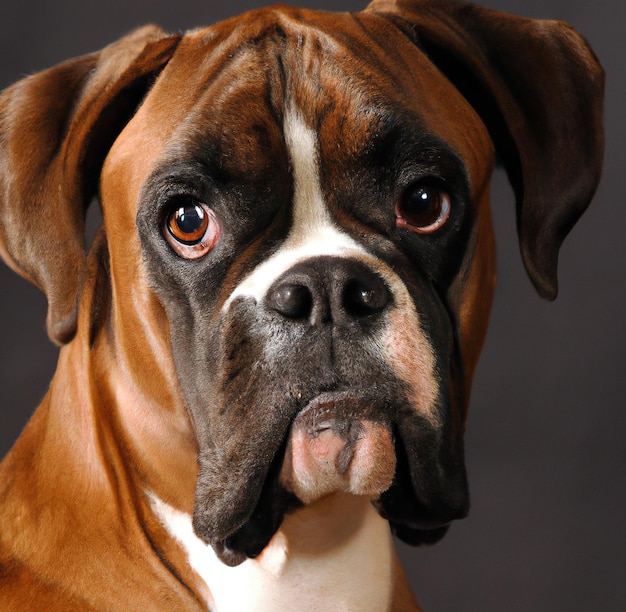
point(268, 348)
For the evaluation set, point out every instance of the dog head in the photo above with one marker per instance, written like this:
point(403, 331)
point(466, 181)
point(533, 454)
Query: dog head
point(305, 196)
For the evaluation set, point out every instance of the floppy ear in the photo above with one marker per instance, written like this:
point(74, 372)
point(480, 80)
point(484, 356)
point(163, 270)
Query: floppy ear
point(539, 90)
point(55, 130)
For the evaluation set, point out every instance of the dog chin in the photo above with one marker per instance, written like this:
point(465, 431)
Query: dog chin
point(340, 442)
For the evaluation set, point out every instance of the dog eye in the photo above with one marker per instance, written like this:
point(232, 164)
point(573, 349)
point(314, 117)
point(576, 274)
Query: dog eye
point(191, 228)
point(423, 208)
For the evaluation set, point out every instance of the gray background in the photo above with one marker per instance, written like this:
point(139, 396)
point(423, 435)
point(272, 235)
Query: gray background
point(546, 440)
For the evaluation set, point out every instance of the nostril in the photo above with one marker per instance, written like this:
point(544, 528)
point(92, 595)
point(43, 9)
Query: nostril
point(329, 291)
point(292, 300)
point(362, 299)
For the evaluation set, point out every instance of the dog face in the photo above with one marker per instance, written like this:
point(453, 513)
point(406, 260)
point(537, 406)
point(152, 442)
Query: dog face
point(312, 290)
point(302, 200)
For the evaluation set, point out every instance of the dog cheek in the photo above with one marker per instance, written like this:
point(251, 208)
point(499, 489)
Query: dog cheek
point(240, 420)
point(405, 348)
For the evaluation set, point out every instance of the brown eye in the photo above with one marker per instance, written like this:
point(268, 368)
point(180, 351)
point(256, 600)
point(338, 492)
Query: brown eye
point(423, 208)
point(191, 228)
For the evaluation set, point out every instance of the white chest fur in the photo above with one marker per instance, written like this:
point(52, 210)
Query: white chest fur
point(333, 555)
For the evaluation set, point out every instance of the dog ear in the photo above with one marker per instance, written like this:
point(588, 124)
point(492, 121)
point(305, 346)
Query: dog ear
point(56, 128)
point(539, 89)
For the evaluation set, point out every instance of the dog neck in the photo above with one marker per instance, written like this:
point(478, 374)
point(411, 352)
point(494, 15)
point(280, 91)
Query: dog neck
point(335, 554)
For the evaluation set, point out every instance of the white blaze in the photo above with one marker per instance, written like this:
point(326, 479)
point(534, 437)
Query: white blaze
point(313, 233)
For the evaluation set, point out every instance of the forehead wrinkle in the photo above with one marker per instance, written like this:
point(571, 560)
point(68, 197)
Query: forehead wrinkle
point(280, 41)
point(297, 56)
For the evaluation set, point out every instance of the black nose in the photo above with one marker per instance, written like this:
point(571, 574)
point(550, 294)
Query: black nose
point(329, 289)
